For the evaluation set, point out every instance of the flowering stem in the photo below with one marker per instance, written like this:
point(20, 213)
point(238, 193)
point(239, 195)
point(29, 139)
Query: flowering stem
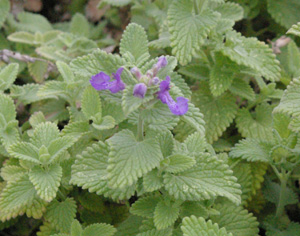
point(140, 128)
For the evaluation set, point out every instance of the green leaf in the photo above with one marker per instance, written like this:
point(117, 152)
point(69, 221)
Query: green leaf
point(89, 172)
point(236, 220)
point(290, 100)
point(152, 181)
point(90, 103)
point(117, 3)
point(65, 71)
point(76, 129)
point(230, 10)
point(222, 74)
point(79, 25)
point(192, 226)
point(155, 232)
point(7, 108)
point(22, 37)
point(178, 163)
point(76, 229)
point(53, 89)
point(284, 12)
point(295, 29)
point(8, 75)
point(25, 151)
point(218, 112)
point(193, 208)
point(46, 181)
point(251, 53)
point(26, 94)
point(99, 229)
point(293, 60)
point(165, 214)
point(188, 30)
point(145, 206)
point(129, 159)
point(59, 146)
point(16, 197)
point(257, 125)
point(61, 214)
point(195, 143)
point(242, 88)
point(33, 22)
point(12, 173)
point(4, 10)
point(251, 150)
point(36, 119)
point(208, 179)
point(195, 71)
point(134, 44)
point(194, 118)
point(44, 134)
point(38, 70)
point(107, 122)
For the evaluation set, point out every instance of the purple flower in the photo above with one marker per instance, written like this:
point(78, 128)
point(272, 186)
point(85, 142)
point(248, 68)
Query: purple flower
point(177, 108)
point(101, 81)
point(162, 62)
point(154, 81)
point(136, 72)
point(139, 90)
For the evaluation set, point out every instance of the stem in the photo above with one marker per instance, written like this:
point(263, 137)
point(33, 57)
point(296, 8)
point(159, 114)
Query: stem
point(140, 128)
point(280, 207)
point(196, 7)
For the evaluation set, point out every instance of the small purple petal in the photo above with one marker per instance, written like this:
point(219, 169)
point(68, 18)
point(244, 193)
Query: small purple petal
point(162, 62)
point(117, 75)
point(100, 81)
point(181, 107)
point(164, 85)
point(139, 90)
point(154, 81)
point(136, 72)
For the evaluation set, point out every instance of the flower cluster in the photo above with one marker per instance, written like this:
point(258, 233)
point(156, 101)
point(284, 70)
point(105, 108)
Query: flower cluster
point(102, 81)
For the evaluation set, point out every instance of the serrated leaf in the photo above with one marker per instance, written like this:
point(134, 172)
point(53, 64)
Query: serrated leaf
point(53, 89)
point(284, 12)
point(251, 53)
point(218, 112)
point(155, 232)
point(36, 119)
point(12, 173)
point(26, 94)
point(195, 143)
point(22, 37)
point(38, 70)
point(295, 29)
point(99, 229)
point(61, 214)
point(129, 159)
point(107, 122)
point(152, 181)
point(186, 41)
point(76, 129)
point(257, 125)
point(252, 150)
point(192, 226)
point(65, 71)
point(195, 208)
point(145, 206)
point(7, 109)
point(90, 103)
point(230, 10)
point(258, 172)
point(177, 163)
point(236, 220)
point(25, 151)
point(89, 172)
point(165, 214)
point(44, 134)
point(4, 10)
point(194, 118)
point(59, 146)
point(16, 197)
point(222, 74)
point(195, 71)
point(46, 181)
point(117, 3)
point(79, 25)
point(8, 75)
point(76, 229)
point(135, 43)
point(209, 178)
point(241, 88)
point(33, 22)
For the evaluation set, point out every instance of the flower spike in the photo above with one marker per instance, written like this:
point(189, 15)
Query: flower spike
point(101, 81)
point(177, 108)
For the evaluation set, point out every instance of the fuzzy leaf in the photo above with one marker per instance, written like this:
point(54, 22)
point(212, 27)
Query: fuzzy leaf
point(58, 146)
point(79, 26)
point(155, 232)
point(117, 3)
point(192, 226)
point(99, 229)
point(257, 125)
point(65, 71)
point(251, 53)
point(165, 214)
point(236, 220)
point(209, 178)
point(218, 112)
point(134, 44)
point(38, 70)
point(36, 119)
point(33, 22)
point(241, 88)
point(284, 12)
point(8, 75)
point(145, 206)
point(195, 143)
point(89, 172)
point(12, 173)
point(90, 103)
point(46, 181)
point(230, 10)
point(4, 10)
point(25, 151)
point(61, 214)
point(178, 163)
point(130, 159)
point(44, 134)
point(26, 94)
point(152, 181)
point(7, 109)
point(295, 29)
point(188, 30)
point(107, 122)
point(251, 150)
point(194, 118)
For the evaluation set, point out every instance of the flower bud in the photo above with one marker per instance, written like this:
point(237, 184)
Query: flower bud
point(136, 72)
point(139, 90)
point(154, 81)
